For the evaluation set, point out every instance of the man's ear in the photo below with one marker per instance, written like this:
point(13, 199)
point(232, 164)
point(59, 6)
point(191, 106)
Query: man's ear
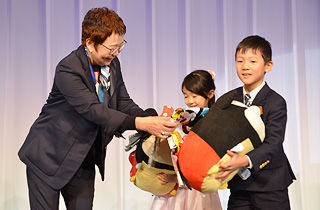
point(268, 66)
point(89, 44)
point(211, 94)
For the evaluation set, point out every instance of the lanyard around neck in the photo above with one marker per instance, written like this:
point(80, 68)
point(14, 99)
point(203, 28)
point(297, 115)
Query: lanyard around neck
point(91, 69)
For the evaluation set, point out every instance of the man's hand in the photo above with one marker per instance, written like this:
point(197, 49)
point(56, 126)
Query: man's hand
point(161, 127)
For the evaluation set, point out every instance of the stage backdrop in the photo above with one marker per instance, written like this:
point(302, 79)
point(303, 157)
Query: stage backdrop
point(166, 40)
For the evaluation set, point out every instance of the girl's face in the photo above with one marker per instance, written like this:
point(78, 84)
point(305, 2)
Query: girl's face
point(194, 100)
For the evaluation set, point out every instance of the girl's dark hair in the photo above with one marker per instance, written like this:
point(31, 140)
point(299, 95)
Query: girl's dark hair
point(200, 82)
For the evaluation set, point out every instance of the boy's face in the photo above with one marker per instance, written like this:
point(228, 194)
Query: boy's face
point(251, 68)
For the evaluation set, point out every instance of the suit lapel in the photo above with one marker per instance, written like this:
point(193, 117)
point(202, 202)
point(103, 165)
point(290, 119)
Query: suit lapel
point(85, 63)
point(113, 73)
point(259, 100)
point(90, 79)
point(239, 95)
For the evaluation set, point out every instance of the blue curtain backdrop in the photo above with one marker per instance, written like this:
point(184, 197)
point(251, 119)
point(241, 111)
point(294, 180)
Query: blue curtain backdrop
point(166, 40)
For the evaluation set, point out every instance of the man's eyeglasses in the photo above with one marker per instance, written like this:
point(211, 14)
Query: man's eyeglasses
point(119, 48)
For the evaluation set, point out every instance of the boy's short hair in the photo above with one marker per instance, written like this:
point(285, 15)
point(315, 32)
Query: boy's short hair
point(99, 24)
point(256, 43)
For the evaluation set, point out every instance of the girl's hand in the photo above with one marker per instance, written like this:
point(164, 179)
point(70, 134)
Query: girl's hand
point(167, 178)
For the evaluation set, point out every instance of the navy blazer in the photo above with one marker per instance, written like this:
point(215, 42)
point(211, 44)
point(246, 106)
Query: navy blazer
point(271, 169)
point(73, 119)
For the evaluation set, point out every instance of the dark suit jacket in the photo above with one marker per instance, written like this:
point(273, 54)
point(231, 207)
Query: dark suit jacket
point(73, 120)
point(271, 169)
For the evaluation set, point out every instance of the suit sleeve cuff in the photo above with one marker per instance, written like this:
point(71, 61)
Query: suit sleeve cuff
point(129, 123)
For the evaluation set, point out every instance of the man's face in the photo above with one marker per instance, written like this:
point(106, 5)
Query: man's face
point(251, 68)
point(101, 55)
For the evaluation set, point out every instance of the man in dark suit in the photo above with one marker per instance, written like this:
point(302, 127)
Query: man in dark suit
point(87, 106)
point(271, 173)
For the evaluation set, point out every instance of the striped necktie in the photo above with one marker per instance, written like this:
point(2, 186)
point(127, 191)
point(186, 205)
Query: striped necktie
point(246, 100)
point(102, 89)
point(105, 77)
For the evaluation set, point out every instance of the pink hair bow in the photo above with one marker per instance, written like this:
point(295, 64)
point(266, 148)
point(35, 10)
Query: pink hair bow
point(213, 74)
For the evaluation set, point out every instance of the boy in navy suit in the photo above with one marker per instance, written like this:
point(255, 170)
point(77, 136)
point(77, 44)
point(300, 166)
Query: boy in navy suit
point(270, 172)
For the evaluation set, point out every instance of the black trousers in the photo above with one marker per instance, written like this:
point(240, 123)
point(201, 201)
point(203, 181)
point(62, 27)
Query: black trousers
point(248, 200)
point(77, 194)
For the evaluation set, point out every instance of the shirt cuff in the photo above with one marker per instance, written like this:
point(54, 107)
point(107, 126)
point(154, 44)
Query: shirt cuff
point(250, 163)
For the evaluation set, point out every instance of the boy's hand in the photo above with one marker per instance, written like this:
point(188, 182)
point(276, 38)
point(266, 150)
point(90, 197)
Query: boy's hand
point(235, 163)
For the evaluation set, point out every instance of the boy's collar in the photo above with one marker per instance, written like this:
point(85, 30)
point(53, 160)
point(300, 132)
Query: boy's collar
point(255, 91)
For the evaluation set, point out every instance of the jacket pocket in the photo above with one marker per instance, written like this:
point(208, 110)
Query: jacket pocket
point(49, 148)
